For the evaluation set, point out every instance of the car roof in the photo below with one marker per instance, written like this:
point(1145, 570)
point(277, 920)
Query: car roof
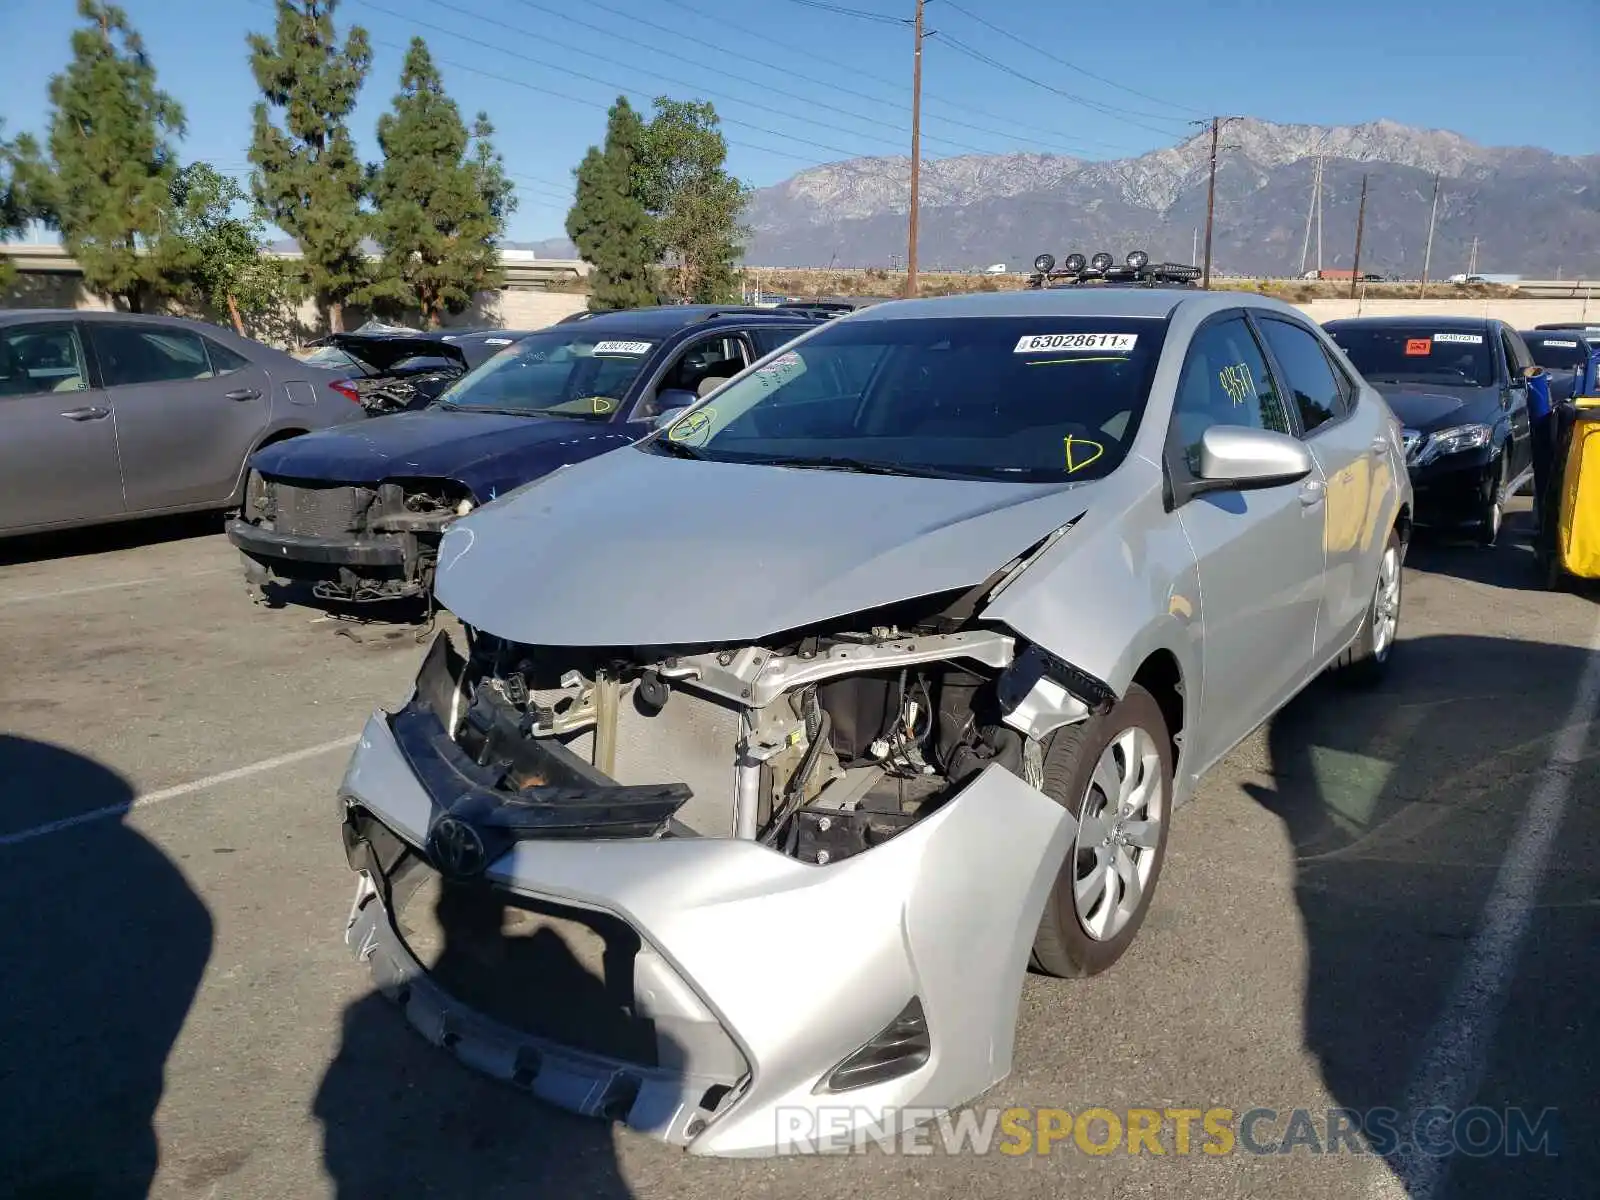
point(1069, 302)
point(1578, 333)
point(97, 314)
point(1474, 324)
point(664, 320)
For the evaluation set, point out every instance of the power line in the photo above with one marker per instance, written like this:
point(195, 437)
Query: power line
point(609, 83)
point(843, 11)
point(1105, 109)
point(899, 86)
point(1037, 49)
point(703, 45)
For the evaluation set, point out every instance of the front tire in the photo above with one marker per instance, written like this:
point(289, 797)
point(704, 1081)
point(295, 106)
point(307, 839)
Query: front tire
point(1114, 774)
point(1492, 515)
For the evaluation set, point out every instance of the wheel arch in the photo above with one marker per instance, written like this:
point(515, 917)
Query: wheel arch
point(1161, 675)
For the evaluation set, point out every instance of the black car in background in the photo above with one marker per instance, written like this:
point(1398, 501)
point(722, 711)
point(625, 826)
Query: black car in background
point(1459, 386)
point(403, 371)
point(360, 518)
point(1570, 355)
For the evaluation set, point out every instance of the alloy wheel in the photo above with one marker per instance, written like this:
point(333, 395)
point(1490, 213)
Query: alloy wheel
point(1119, 831)
point(1386, 604)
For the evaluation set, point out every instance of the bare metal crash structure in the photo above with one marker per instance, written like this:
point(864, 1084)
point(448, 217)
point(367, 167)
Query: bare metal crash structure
point(840, 725)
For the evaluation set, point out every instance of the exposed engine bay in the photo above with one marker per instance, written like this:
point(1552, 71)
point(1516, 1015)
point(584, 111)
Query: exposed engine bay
point(820, 746)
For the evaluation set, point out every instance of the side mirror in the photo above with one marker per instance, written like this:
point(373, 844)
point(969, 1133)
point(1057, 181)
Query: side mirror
point(671, 403)
point(1236, 459)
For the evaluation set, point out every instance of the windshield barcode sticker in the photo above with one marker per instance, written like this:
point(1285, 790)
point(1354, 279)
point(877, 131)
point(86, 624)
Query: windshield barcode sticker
point(497, 341)
point(1466, 339)
point(1040, 343)
point(622, 347)
point(1561, 345)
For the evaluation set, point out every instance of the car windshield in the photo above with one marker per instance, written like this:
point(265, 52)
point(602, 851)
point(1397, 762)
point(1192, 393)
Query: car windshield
point(1554, 352)
point(1418, 354)
point(569, 371)
point(1033, 399)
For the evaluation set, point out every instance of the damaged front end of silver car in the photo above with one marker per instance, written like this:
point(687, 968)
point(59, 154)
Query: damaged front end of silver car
point(715, 891)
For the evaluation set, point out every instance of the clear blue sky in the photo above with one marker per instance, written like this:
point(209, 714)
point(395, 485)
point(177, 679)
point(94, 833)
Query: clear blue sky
point(798, 82)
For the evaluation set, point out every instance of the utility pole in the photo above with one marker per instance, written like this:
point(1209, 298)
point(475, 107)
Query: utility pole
point(1211, 195)
point(1361, 220)
point(1194, 246)
point(1472, 258)
point(1311, 211)
point(1427, 255)
point(916, 156)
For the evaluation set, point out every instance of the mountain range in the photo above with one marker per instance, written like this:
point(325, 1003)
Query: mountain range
point(1533, 212)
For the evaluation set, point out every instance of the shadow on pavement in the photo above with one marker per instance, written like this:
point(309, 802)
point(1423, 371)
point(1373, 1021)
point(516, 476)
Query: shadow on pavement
point(101, 954)
point(1401, 803)
point(400, 1117)
point(103, 539)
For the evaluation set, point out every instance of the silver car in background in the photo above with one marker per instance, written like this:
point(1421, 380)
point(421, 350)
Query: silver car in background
point(811, 721)
point(107, 416)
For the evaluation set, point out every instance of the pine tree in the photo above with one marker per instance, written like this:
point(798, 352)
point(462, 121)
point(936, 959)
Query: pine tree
point(442, 199)
point(22, 176)
point(308, 180)
point(111, 158)
point(695, 203)
point(608, 222)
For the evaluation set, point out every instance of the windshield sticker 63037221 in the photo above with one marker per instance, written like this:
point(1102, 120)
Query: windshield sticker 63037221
point(622, 347)
point(1038, 343)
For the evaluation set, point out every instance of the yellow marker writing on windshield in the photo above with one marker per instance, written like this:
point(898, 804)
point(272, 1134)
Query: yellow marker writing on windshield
point(601, 404)
point(695, 425)
point(1081, 452)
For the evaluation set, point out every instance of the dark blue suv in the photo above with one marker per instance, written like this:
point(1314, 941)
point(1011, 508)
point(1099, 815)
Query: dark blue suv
point(359, 517)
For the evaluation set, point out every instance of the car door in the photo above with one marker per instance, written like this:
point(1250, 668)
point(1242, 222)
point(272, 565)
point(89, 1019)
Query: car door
point(58, 442)
point(695, 367)
point(1517, 362)
point(188, 412)
point(1259, 551)
point(1350, 448)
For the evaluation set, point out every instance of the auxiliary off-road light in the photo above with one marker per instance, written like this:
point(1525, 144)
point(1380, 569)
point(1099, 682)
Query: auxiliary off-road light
point(1076, 263)
point(1138, 259)
point(1044, 264)
point(1101, 261)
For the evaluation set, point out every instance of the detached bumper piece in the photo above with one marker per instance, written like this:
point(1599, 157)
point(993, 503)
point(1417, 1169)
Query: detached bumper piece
point(511, 787)
point(281, 550)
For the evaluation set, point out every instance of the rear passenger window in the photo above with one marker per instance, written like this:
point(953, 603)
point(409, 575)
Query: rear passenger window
point(134, 354)
point(36, 359)
point(1307, 373)
point(1225, 381)
point(223, 360)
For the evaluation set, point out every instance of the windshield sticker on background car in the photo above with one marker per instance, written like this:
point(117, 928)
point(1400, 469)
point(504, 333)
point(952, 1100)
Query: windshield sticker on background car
point(781, 370)
point(1466, 339)
point(1237, 381)
point(622, 347)
point(1081, 452)
point(1038, 342)
point(1417, 347)
point(693, 427)
point(497, 341)
point(1560, 345)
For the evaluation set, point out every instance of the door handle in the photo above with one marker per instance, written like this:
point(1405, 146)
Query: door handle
point(1311, 493)
point(244, 393)
point(86, 413)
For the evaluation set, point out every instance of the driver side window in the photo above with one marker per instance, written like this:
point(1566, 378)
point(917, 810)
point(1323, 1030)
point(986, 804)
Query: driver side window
point(1225, 381)
point(700, 366)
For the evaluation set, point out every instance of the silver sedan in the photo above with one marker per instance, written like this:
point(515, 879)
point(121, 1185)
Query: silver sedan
point(106, 416)
point(874, 677)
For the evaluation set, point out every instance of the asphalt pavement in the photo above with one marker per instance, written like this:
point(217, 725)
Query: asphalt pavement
point(1382, 900)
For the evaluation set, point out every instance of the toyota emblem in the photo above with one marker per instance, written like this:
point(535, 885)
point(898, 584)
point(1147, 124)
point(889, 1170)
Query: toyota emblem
point(457, 849)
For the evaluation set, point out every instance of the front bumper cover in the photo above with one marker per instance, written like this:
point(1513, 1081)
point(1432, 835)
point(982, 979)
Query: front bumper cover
point(796, 965)
point(351, 550)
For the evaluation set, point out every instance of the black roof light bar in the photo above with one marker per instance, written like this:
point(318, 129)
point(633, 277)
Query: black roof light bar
point(1136, 271)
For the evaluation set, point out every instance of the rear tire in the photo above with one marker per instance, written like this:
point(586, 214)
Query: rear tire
point(1366, 660)
point(1124, 755)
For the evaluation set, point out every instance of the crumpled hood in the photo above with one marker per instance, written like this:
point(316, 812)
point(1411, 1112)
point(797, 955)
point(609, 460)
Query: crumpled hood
point(638, 548)
point(488, 452)
point(1429, 407)
point(380, 351)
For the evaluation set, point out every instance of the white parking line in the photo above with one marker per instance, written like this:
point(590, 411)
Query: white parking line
point(31, 597)
point(172, 793)
point(1458, 1045)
